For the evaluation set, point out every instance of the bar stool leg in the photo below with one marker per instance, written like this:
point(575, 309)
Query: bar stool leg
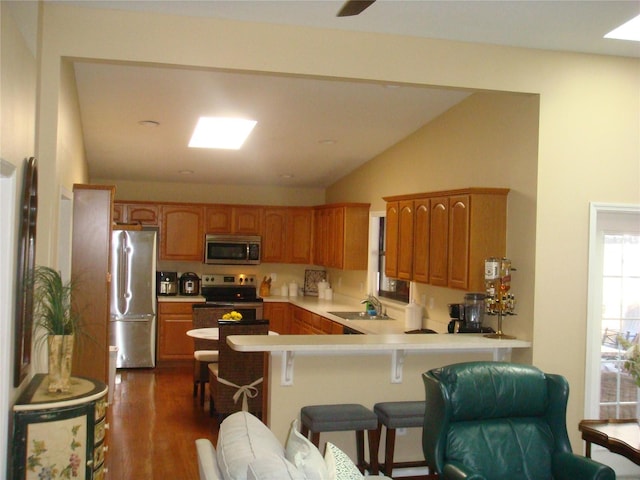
point(360, 449)
point(389, 447)
point(374, 446)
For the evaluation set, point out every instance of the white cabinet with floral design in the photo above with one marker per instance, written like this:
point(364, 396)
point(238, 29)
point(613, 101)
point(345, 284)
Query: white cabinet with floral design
point(60, 435)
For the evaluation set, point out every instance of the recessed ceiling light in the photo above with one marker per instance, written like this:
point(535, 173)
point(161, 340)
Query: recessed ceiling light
point(327, 141)
point(220, 132)
point(287, 175)
point(185, 172)
point(148, 123)
point(627, 31)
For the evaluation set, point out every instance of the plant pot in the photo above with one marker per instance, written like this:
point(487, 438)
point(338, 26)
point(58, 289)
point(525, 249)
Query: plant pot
point(60, 360)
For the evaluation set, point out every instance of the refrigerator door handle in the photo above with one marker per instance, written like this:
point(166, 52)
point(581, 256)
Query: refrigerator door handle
point(132, 318)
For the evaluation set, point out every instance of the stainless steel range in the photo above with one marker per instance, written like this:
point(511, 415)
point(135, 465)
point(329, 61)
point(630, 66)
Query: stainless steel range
point(227, 292)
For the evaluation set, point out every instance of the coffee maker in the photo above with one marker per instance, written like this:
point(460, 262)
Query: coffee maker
point(467, 317)
point(167, 283)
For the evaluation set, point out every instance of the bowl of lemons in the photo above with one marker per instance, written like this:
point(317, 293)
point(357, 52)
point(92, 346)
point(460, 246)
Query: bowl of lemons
point(232, 316)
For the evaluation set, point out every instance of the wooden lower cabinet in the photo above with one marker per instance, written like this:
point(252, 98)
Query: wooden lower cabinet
point(304, 322)
point(174, 320)
point(64, 432)
point(278, 314)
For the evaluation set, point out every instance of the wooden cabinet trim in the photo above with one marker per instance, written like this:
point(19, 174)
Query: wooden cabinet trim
point(448, 193)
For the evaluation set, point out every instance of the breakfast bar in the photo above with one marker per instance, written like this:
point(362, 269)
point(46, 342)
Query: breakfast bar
point(364, 369)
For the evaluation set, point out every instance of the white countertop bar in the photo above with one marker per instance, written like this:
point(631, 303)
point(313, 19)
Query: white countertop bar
point(397, 345)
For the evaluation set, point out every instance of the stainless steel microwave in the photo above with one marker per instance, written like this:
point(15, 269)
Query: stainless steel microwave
point(232, 249)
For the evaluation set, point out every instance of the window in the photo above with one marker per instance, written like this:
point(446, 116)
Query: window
point(613, 311)
point(385, 286)
point(620, 318)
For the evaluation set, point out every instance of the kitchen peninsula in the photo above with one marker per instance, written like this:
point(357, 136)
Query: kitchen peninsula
point(384, 365)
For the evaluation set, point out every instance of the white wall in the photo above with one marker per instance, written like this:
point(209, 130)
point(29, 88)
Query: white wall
point(588, 124)
point(18, 69)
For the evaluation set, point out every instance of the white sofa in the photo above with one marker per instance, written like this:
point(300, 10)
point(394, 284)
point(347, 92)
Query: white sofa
point(248, 450)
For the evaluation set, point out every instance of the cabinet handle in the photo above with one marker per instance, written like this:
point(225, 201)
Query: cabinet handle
point(106, 426)
point(105, 448)
point(89, 463)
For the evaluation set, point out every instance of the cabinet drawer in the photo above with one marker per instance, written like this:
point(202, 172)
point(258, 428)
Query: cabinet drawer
point(99, 432)
point(98, 473)
point(101, 408)
point(175, 307)
point(98, 455)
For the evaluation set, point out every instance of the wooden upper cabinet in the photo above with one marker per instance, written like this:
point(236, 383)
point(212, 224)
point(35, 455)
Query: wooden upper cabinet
point(275, 229)
point(439, 241)
point(300, 227)
point(421, 229)
point(142, 213)
point(452, 233)
point(233, 219)
point(145, 214)
point(342, 236)
point(287, 235)
point(391, 226)
point(182, 235)
point(458, 248)
point(405, 240)
point(247, 220)
point(217, 219)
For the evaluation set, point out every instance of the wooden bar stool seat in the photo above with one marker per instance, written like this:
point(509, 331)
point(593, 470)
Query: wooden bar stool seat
point(393, 415)
point(341, 418)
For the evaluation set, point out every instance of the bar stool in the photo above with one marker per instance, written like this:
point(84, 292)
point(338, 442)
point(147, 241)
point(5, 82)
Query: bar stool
point(341, 418)
point(395, 415)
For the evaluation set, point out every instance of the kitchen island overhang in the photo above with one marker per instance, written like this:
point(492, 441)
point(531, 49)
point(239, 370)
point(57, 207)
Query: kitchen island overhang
point(363, 369)
point(398, 346)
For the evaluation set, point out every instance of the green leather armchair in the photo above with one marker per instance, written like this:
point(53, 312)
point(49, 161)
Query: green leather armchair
point(500, 421)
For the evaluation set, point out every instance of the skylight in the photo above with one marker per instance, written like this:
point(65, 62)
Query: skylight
point(627, 31)
point(220, 132)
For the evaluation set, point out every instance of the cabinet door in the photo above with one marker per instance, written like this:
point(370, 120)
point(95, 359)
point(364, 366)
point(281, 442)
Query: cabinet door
point(119, 213)
point(421, 227)
point(218, 219)
point(274, 241)
point(298, 238)
point(405, 239)
point(438, 243)
point(182, 236)
point(174, 320)
point(458, 273)
point(278, 315)
point(336, 237)
point(142, 214)
point(247, 220)
point(391, 240)
point(321, 236)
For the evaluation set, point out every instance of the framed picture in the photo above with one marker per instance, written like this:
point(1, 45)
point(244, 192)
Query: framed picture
point(311, 279)
point(25, 269)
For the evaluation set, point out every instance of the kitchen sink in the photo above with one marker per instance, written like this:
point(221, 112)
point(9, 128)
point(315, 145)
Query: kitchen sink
point(360, 316)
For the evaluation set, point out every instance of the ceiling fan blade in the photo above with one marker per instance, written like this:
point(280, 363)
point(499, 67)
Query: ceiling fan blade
point(354, 7)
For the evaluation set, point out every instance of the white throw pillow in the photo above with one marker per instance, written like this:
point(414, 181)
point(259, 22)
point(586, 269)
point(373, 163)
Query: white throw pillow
point(242, 439)
point(304, 455)
point(273, 467)
point(339, 465)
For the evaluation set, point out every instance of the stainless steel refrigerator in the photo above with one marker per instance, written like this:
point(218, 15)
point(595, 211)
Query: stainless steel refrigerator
point(133, 297)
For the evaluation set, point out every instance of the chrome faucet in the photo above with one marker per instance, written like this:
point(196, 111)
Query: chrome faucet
point(375, 302)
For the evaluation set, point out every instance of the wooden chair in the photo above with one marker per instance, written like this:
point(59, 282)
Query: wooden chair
point(205, 352)
point(237, 381)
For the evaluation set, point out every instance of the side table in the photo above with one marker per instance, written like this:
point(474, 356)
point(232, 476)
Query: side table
point(60, 434)
point(618, 436)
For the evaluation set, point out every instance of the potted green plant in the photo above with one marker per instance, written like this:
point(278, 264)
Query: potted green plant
point(57, 321)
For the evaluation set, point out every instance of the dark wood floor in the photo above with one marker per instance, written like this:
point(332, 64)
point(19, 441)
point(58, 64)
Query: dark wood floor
point(154, 424)
point(155, 421)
